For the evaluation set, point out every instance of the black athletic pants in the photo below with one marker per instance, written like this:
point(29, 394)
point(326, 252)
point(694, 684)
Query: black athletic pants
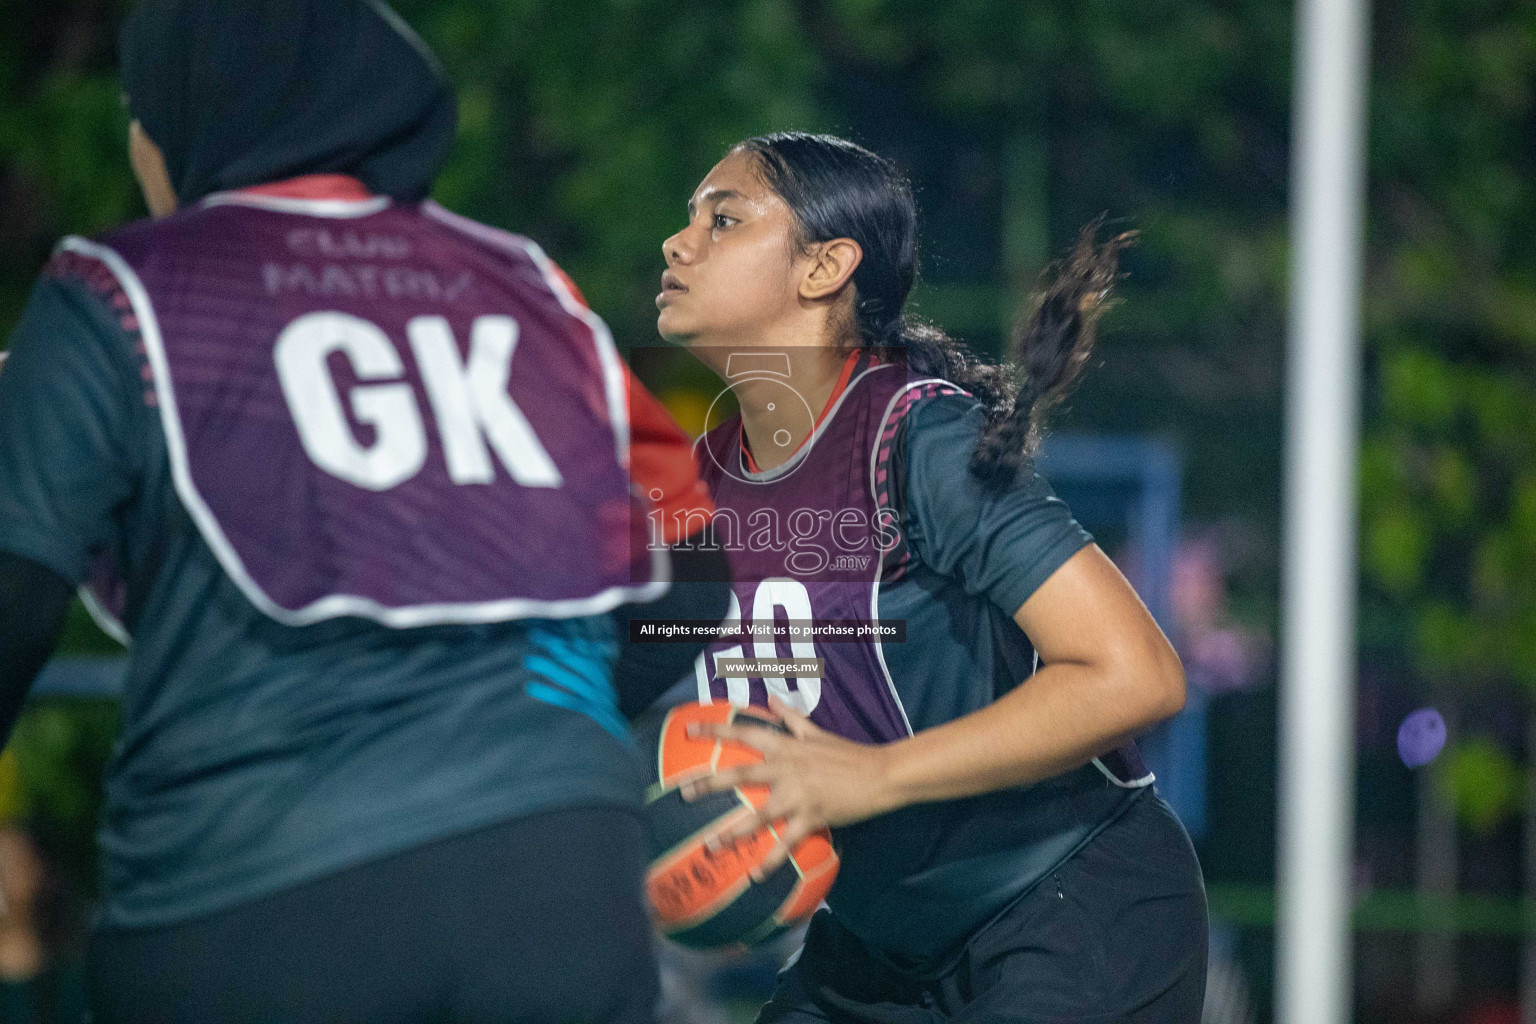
point(538, 920)
point(1116, 935)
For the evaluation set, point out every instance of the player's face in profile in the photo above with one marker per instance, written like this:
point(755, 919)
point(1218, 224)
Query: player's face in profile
point(732, 273)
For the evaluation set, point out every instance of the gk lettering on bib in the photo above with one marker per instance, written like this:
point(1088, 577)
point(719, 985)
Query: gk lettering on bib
point(415, 421)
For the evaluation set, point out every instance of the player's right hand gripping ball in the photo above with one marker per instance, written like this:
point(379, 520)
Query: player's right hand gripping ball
point(704, 898)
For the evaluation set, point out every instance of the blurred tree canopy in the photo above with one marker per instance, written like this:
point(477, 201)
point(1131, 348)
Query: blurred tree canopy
point(1449, 466)
point(587, 123)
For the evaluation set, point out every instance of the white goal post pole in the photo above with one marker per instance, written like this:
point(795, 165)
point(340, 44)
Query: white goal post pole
point(1322, 403)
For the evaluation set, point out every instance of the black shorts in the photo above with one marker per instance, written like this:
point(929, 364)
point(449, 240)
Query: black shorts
point(539, 919)
point(1115, 934)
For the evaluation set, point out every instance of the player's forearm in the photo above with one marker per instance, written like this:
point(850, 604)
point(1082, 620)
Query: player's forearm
point(33, 602)
point(1061, 718)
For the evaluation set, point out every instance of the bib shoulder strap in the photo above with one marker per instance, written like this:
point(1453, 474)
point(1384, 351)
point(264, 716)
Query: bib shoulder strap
point(888, 467)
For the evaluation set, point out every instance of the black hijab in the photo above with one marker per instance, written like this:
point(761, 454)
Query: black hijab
point(242, 92)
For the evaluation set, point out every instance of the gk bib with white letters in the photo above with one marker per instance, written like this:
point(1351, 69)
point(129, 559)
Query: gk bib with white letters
point(384, 411)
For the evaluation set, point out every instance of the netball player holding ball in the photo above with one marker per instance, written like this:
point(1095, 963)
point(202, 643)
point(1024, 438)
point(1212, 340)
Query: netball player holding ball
point(1004, 854)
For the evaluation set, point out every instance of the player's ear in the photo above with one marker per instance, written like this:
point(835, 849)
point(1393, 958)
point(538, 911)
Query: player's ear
point(831, 266)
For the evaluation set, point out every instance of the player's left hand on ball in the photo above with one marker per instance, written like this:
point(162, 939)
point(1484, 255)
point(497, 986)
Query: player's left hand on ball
point(815, 780)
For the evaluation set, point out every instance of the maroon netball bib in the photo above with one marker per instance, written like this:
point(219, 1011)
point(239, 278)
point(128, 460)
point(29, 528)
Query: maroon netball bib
point(812, 541)
point(385, 411)
point(809, 542)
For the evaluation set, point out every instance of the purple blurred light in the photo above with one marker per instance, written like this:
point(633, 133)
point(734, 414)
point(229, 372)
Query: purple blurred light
point(1421, 737)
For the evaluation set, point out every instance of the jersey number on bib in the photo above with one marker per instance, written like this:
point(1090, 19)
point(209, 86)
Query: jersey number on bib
point(771, 595)
point(469, 400)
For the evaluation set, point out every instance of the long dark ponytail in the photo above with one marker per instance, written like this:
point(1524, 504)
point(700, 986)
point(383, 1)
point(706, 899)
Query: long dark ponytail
point(838, 189)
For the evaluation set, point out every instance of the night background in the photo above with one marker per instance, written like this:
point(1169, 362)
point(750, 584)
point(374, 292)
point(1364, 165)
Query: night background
point(586, 124)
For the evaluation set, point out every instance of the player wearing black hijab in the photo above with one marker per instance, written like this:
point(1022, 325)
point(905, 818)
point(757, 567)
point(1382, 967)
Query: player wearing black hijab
point(358, 479)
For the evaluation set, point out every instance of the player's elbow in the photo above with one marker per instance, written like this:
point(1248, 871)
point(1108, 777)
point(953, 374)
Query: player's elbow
point(1168, 688)
point(1151, 686)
